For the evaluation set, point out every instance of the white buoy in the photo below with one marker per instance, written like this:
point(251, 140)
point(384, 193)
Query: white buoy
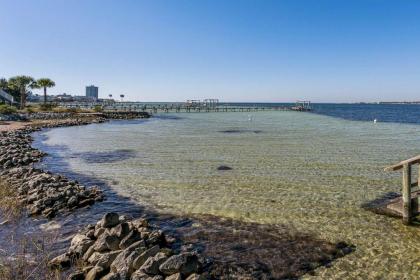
point(250, 118)
point(375, 120)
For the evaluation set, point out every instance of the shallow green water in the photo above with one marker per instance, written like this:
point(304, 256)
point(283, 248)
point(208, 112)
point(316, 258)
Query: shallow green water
point(308, 171)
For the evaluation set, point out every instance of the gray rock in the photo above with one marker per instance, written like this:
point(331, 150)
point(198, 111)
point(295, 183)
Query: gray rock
point(110, 220)
point(184, 263)
point(72, 202)
point(121, 230)
point(80, 244)
point(106, 242)
point(132, 236)
point(141, 259)
point(139, 275)
point(123, 263)
point(106, 259)
point(151, 266)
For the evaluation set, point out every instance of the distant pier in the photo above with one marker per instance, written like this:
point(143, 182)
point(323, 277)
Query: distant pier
point(191, 106)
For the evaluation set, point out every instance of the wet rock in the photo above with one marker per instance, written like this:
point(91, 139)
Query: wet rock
point(151, 266)
point(224, 168)
point(185, 263)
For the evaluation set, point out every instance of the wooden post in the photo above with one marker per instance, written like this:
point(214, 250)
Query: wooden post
point(406, 193)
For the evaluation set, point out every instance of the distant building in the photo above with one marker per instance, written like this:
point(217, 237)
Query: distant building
point(92, 92)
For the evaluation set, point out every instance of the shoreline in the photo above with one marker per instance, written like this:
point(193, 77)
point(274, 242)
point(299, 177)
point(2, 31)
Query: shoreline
point(219, 245)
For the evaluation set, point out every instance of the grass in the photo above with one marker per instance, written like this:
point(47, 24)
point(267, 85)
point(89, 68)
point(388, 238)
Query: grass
point(25, 256)
point(11, 208)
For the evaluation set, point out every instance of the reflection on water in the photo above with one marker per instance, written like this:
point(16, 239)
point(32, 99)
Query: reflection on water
point(307, 172)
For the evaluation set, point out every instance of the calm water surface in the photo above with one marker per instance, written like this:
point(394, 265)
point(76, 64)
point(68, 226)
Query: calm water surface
point(309, 171)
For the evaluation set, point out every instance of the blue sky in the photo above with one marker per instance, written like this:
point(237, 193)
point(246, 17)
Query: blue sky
point(239, 50)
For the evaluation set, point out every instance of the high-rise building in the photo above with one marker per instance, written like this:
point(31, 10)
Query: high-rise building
point(92, 92)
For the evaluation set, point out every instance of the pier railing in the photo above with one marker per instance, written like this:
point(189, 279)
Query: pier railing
point(410, 201)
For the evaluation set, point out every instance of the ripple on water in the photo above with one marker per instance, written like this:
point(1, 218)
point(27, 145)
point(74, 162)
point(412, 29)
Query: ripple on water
point(308, 172)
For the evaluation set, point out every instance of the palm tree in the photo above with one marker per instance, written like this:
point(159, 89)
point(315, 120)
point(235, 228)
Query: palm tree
point(22, 84)
point(45, 83)
point(3, 83)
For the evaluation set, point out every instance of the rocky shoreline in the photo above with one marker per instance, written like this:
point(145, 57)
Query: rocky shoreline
point(120, 247)
point(116, 247)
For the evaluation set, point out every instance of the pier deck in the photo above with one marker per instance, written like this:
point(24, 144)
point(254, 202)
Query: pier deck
point(179, 108)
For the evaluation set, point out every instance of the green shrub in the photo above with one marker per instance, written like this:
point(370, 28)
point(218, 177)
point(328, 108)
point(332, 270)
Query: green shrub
point(98, 109)
point(7, 109)
point(47, 107)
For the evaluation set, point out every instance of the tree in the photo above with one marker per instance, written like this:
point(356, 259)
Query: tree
point(45, 83)
point(3, 84)
point(22, 84)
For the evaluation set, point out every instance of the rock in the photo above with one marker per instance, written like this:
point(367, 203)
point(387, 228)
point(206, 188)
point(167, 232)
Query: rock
point(157, 237)
point(176, 276)
point(131, 237)
point(224, 168)
point(140, 260)
point(195, 276)
point(151, 266)
point(98, 232)
point(121, 230)
point(184, 263)
point(139, 275)
point(110, 220)
point(123, 263)
point(106, 242)
point(60, 262)
point(73, 201)
point(78, 275)
point(111, 276)
point(94, 258)
point(95, 273)
point(88, 254)
point(138, 223)
point(106, 259)
point(80, 244)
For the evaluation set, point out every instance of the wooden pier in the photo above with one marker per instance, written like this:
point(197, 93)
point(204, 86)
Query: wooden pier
point(408, 205)
point(191, 106)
